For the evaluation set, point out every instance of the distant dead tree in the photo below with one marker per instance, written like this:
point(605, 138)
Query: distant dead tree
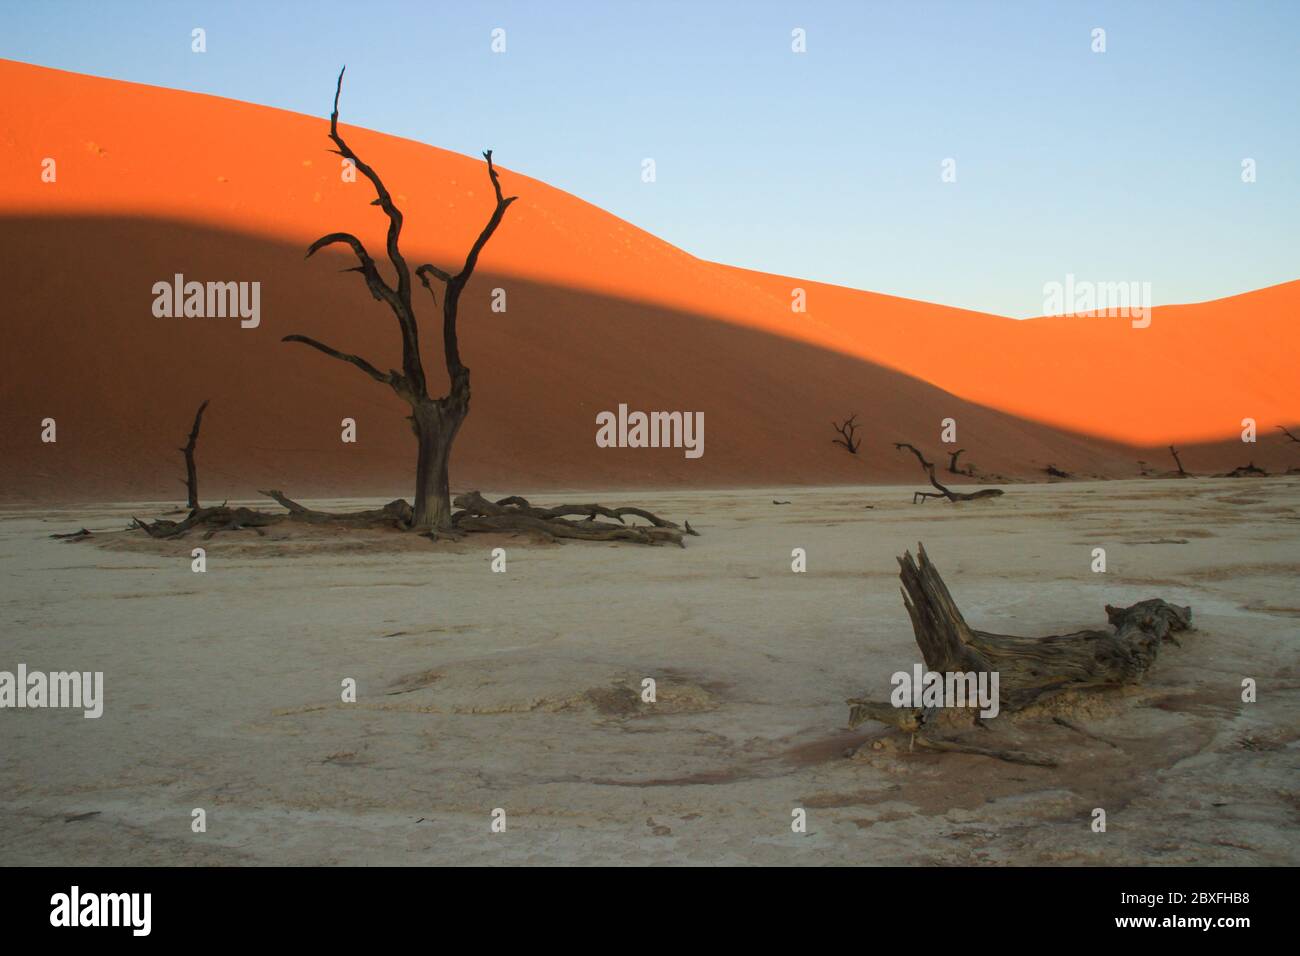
point(1055, 472)
point(1177, 461)
point(847, 430)
point(1288, 434)
point(1249, 470)
point(953, 496)
point(191, 471)
point(1142, 468)
point(952, 464)
point(435, 421)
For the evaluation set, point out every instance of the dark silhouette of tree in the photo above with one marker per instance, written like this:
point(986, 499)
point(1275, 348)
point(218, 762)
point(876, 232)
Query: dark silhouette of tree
point(435, 421)
point(191, 471)
point(847, 431)
point(943, 492)
point(1177, 461)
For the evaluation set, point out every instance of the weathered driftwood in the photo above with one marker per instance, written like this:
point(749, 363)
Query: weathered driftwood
point(1030, 669)
point(944, 492)
point(396, 514)
point(517, 514)
point(219, 518)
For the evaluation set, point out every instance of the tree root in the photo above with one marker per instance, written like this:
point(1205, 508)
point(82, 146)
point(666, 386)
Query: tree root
point(517, 514)
point(476, 514)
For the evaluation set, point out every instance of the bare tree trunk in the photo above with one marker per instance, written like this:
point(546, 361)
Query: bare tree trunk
point(1177, 461)
point(191, 471)
point(436, 426)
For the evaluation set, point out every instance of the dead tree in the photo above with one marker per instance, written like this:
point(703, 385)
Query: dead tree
point(1054, 472)
point(847, 431)
point(1288, 434)
point(1177, 461)
point(191, 472)
point(1030, 669)
point(944, 492)
point(952, 464)
point(435, 421)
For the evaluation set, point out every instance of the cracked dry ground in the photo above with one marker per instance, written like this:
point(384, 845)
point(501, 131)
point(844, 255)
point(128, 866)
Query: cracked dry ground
point(523, 690)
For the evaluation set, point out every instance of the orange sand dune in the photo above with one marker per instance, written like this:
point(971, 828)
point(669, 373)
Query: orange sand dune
point(153, 182)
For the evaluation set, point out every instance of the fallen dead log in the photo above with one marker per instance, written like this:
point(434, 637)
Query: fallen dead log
point(1029, 669)
point(518, 514)
point(944, 492)
point(220, 518)
point(396, 514)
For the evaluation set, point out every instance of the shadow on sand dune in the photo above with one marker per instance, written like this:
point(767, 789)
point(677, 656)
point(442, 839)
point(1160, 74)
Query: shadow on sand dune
point(83, 347)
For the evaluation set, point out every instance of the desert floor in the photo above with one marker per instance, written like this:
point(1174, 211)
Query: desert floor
point(521, 690)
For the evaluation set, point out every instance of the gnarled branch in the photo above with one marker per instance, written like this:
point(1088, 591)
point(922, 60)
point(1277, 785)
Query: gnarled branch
point(392, 378)
point(378, 287)
point(944, 492)
point(399, 299)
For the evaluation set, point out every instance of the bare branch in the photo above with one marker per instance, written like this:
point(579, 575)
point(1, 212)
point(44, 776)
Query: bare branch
point(434, 271)
point(399, 298)
point(502, 205)
point(1288, 434)
point(378, 287)
point(451, 301)
point(383, 200)
point(392, 378)
point(425, 271)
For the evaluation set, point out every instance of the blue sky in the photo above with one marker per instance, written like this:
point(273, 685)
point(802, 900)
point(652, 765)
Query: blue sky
point(1123, 165)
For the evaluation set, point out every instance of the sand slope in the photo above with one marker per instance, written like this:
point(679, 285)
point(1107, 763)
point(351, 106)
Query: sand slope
point(153, 182)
